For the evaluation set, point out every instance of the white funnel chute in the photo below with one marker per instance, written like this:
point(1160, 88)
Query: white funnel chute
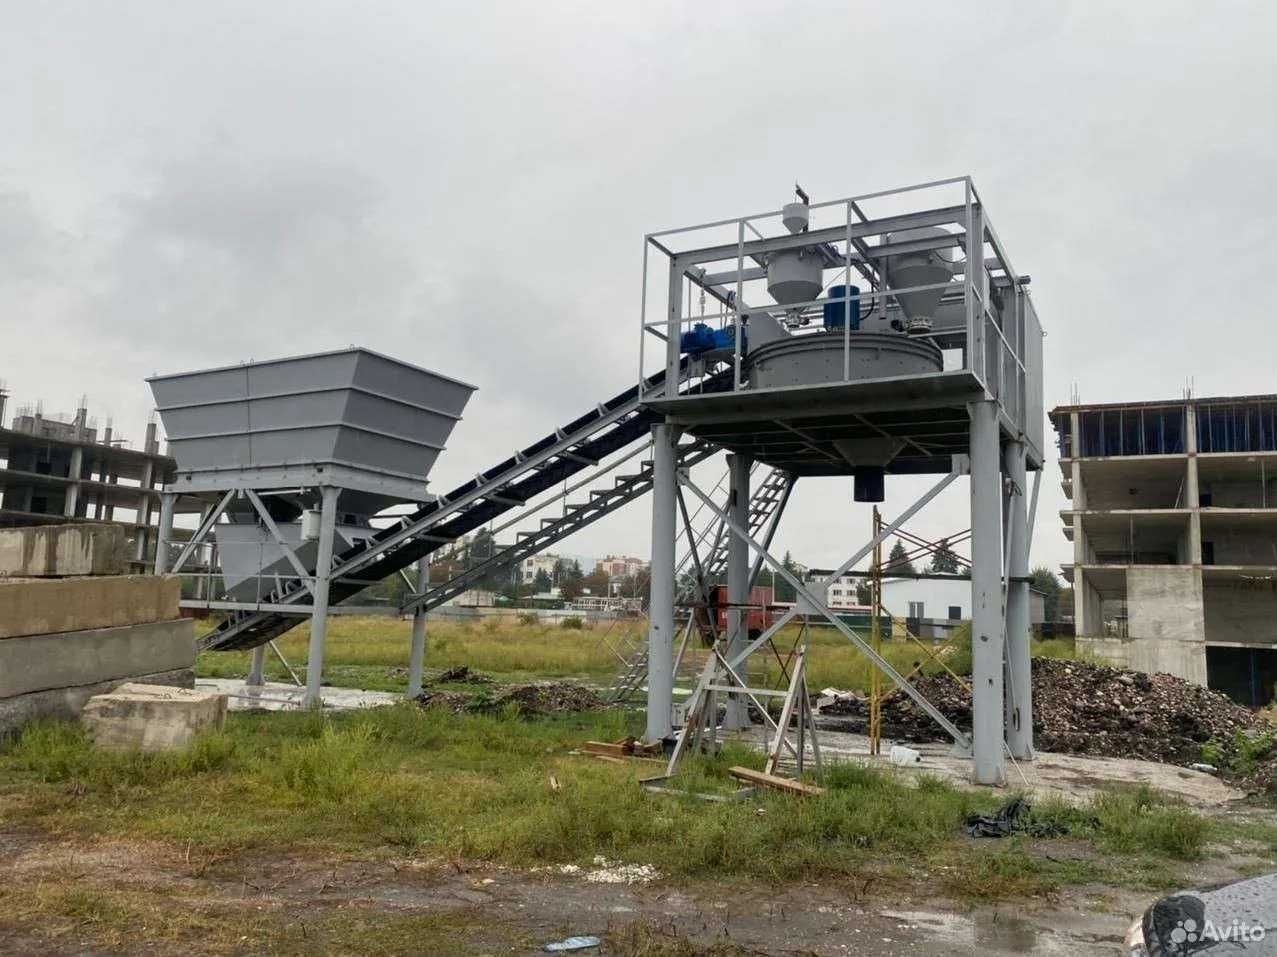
point(929, 267)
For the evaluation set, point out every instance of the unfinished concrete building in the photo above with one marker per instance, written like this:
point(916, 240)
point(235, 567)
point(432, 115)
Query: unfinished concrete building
point(56, 469)
point(1174, 535)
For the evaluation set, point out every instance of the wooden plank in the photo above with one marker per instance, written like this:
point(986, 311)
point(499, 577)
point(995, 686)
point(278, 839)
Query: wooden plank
point(605, 748)
point(776, 783)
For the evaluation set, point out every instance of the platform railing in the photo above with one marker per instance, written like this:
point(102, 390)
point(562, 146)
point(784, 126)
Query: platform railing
point(999, 346)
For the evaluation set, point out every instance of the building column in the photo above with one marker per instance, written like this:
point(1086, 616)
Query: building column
point(168, 500)
point(660, 632)
point(417, 653)
point(319, 597)
point(987, 717)
point(1019, 657)
point(73, 490)
point(144, 512)
point(737, 715)
point(1192, 488)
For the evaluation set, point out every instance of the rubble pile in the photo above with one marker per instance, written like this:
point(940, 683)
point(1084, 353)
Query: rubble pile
point(528, 700)
point(1079, 708)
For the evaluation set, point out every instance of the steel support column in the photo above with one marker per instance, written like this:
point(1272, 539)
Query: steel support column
point(987, 625)
point(257, 668)
point(738, 570)
point(319, 612)
point(168, 501)
point(417, 654)
point(1019, 665)
point(660, 632)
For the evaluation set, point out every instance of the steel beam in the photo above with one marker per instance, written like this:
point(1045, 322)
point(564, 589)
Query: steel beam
point(168, 500)
point(1019, 663)
point(738, 467)
point(256, 669)
point(660, 632)
point(319, 614)
point(988, 766)
point(417, 654)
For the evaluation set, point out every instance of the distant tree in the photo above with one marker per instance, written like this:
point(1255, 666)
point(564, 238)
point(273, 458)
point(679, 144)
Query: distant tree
point(483, 548)
point(944, 560)
point(541, 581)
point(898, 561)
point(1064, 603)
point(567, 572)
point(783, 590)
point(864, 592)
point(1044, 580)
point(597, 582)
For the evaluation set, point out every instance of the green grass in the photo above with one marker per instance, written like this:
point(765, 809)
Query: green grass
point(372, 653)
point(477, 787)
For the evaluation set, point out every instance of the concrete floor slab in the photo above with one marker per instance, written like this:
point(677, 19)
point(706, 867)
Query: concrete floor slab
point(1072, 777)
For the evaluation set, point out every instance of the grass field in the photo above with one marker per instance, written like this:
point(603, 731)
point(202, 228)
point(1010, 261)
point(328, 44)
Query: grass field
point(372, 653)
point(381, 790)
point(477, 787)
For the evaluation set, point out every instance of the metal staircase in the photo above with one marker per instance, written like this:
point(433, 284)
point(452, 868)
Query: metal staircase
point(579, 445)
point(763, 504)
point(576, 516)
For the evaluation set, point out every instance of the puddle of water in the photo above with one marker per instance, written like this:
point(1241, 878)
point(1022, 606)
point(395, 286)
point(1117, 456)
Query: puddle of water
point(276, 696)
point(990, 932)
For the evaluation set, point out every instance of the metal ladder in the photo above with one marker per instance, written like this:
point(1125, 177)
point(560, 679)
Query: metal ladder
point(763, 503)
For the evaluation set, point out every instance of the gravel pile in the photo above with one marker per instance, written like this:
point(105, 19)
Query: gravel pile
point(1079, 708)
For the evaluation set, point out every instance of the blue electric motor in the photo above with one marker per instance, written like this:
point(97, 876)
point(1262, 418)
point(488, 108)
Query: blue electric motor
point(836, 312)
point(701, 339)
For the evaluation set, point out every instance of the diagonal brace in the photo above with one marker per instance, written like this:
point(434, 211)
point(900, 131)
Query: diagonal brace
point(302, 573)
point(800, 589)
point(203, 530)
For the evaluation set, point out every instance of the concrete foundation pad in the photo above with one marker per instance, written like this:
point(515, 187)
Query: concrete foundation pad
point(1069, 776)
point(44, 606)
point(152, 717)
point(65, 704)
point(62, 550)
point(277, 696)
point(70, 659)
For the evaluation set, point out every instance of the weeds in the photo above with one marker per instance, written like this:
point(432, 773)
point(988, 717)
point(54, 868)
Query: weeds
point(476, 787)
point(1241, 756)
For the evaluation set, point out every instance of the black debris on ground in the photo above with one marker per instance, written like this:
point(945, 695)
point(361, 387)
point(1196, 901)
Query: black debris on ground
point(462, 675)
point(527, 700)
point(1079, 708)
point(1014, 817)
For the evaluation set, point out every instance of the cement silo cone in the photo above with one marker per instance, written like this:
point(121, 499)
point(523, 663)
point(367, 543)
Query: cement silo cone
point(352, 418)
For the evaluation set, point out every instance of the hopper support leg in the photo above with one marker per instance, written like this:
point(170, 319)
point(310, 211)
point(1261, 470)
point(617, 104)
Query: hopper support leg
point(319, 609)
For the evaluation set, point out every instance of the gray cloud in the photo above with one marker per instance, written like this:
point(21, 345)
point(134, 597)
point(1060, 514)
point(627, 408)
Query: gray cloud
point(467, 186)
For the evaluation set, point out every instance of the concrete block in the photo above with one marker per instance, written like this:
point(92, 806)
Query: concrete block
point(152, 717)
point(63, 550)
point(45, 606)
point(69, 659)
point(65, 704)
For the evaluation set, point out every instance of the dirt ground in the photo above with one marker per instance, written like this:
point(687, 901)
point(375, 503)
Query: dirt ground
point(274, 905)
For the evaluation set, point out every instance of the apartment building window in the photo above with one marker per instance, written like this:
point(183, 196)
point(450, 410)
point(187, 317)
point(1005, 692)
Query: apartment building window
point(1155, 431)
point(1237, 427)
point(955, 612)
point(915, 609)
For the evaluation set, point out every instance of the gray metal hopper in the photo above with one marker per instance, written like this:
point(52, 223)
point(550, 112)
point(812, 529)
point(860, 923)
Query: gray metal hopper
point(352, 418)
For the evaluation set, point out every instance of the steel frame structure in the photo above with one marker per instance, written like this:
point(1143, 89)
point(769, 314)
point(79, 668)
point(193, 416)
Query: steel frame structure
point(981, 416)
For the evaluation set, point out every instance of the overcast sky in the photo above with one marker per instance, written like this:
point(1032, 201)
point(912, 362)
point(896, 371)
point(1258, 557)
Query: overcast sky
point(465, 186)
